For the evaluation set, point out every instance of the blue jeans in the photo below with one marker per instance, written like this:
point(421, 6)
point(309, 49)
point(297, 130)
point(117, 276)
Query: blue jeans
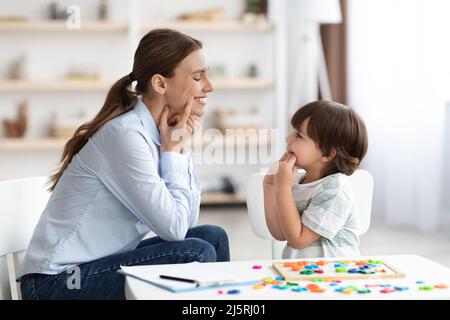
point(99, 279)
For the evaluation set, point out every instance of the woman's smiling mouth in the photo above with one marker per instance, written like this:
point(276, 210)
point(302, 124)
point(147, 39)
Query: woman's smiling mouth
point(201, 100)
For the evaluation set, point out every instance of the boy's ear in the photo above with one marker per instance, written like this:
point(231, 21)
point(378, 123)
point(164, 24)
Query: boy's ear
point(158, 83)
point(330, 156)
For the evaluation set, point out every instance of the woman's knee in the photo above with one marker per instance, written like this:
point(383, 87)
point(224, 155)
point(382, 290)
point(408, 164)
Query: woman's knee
point(219, 236)
point(208, 232)
point(219, 231)
point(201, 250)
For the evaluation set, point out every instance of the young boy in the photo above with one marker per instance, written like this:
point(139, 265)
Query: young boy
point(316, 212)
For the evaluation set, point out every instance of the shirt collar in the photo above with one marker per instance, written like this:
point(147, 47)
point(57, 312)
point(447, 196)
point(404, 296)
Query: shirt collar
point(147, 120)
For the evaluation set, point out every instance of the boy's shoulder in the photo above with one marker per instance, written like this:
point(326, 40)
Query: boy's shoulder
point(335, 181)
point(333, 186)
point(329, 183)
point(333, 194)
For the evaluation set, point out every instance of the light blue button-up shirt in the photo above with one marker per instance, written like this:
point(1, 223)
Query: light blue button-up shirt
point(116, 189)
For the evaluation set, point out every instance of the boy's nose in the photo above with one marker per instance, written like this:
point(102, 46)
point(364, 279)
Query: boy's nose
point(287, 139)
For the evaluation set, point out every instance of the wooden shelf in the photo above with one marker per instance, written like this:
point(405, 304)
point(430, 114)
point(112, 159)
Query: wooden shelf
point(31, 144)
point(207, 26)
point(52, 86)
point(222, 198)
point(57, 144)
point(92, 85)
point(122, 27)
point(232, 140)
point(243, 84)
point(60, 26)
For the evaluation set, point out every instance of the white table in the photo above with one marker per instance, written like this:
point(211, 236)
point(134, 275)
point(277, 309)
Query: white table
point(415, 267)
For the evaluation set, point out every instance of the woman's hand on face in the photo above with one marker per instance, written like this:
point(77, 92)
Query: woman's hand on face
point(193, 121)
point(175, 134)
point(287, 171)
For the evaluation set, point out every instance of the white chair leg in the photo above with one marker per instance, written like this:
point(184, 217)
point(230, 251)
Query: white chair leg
point(15, 289)
point(272, 243)
point(277, 248)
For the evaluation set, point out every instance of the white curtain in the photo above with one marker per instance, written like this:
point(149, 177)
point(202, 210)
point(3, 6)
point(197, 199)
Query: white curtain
point(305, 59)
point(399, 80)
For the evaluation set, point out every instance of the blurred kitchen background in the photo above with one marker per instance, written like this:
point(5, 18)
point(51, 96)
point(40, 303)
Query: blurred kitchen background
point(388, 59)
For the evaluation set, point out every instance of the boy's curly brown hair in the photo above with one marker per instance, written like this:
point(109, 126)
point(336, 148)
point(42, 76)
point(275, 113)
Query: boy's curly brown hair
point(334, 125)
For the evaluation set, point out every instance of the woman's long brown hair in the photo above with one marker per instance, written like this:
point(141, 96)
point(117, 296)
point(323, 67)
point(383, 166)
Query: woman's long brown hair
point(159, 52)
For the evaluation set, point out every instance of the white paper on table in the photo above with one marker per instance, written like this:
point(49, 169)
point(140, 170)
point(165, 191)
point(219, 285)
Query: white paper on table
point(208, 275)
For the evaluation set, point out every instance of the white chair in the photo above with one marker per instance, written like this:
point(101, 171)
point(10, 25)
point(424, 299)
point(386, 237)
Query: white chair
point(361, 183)
point(21, 204)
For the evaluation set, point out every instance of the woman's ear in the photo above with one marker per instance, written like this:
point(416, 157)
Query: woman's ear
point(330, 156)
point(158, 83)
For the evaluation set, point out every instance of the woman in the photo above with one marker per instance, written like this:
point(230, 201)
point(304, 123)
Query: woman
point(122, 175)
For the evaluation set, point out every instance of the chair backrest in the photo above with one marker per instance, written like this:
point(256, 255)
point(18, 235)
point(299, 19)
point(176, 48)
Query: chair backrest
point(255, 205)
point(21, 204)
point(360, 181)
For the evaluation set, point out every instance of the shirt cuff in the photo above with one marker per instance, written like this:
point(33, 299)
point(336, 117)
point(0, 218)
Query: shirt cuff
point(173, 164)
